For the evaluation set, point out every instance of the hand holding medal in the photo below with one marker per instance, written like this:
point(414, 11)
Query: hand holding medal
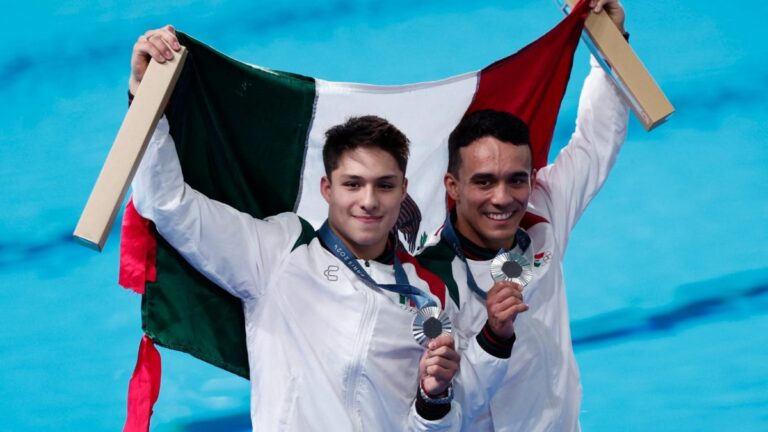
point(505, 301)
point(511, 272)
point(438, 366)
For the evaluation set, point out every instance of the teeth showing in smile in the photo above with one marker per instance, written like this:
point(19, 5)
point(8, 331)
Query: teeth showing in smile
point(499, 216)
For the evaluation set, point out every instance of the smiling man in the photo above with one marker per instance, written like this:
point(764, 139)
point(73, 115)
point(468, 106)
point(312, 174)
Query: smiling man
point(490, 215)
point(503, 204)
point(362, 206)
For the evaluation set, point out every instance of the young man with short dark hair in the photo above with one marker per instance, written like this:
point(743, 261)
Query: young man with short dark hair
point(324, 353)
point(503, 204)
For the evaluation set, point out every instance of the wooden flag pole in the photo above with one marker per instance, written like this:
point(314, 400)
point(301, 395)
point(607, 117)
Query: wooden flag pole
point(123, 159)
point(607, 43)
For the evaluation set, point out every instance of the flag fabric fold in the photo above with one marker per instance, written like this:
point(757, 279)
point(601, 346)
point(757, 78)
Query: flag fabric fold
point(252, 138)
point(144, 387)
point(138, 248)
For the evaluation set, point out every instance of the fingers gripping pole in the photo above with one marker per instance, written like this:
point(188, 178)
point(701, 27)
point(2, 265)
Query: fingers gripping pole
point(606, 42)
point(108, 193)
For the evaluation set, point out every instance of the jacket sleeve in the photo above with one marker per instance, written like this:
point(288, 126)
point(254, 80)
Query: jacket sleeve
point(478, 380)
point(451, 422)
point(231, 248)
point(581, 168)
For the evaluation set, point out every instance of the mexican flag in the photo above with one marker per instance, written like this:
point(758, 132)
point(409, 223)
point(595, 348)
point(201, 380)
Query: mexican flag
point(253, 137)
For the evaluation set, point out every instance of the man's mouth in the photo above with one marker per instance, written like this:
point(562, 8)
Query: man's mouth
point(499, 216)
point(368, 219)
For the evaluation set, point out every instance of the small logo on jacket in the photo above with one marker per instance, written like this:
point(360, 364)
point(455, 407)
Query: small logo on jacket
point(330, 273)
point(541, 258)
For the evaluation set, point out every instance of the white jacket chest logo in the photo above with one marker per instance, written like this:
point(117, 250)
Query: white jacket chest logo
point(331, 273)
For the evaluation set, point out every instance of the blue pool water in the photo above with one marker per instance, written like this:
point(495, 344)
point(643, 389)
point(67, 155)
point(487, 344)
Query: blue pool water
point(667, 271)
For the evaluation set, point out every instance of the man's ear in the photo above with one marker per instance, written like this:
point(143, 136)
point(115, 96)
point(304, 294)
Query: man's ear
point(325, 188)
point(533, 177)
point(451, 186)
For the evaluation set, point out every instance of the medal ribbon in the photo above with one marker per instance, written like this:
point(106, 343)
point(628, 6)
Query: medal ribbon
point(401, 285)
point(522, 240)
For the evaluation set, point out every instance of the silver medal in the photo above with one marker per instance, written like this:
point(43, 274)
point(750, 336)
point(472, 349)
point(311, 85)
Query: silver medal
point(429, 323)
point(513, 267)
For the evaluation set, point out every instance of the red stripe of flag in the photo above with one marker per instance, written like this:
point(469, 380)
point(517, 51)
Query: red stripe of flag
point(531, 83)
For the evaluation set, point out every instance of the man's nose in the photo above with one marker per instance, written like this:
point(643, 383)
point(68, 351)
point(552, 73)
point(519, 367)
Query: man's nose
point(370, 199)
point(501, 195)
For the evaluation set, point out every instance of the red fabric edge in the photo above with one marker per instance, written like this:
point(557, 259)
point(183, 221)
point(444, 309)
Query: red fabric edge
point(144, 387)
point(138, 250)
point(530, 219)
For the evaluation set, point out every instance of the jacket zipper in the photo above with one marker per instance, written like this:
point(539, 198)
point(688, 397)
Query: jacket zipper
point(361, 347)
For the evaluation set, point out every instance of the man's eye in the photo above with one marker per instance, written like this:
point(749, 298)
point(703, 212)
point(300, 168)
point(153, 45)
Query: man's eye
point(519, 182)
point(386, 186)
point(482, 183)
point(352, 185)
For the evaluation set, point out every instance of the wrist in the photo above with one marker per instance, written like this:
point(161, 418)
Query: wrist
point(494, 344)
point(433, 407)
point(436, 397)
point(133, 85)
point(502, 334)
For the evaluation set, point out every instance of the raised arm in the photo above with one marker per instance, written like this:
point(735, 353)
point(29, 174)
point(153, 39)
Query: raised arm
point(222, 243)
point(581, 168)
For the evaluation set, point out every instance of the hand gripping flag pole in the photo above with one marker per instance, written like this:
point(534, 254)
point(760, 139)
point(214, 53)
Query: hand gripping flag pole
point(619, 60)
point(108, 193)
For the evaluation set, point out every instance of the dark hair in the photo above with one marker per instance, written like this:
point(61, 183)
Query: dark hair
point(366, 131)
point(498, 124)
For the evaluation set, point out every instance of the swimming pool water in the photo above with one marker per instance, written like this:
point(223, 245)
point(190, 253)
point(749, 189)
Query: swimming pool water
point(667, 271)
